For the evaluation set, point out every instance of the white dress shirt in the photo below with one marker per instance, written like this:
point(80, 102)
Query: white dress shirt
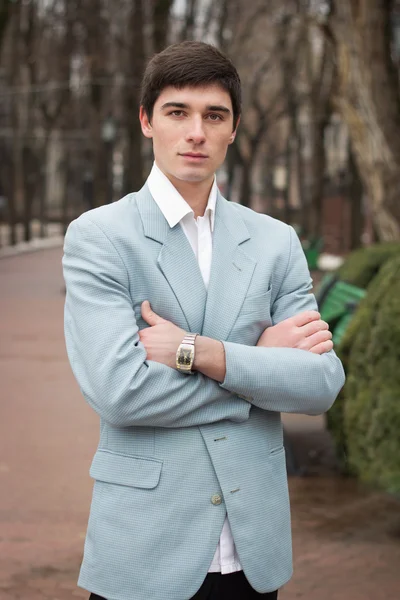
point(199, 233)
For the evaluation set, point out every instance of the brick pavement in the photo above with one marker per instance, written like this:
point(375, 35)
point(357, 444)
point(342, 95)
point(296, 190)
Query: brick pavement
point(346, 540)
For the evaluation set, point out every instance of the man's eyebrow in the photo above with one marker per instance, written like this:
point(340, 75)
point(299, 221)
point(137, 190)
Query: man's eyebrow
point(219, 108)
point(215, 108)
point(175, 105)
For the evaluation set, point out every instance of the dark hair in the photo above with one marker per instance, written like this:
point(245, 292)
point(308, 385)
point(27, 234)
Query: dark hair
point(190, 64)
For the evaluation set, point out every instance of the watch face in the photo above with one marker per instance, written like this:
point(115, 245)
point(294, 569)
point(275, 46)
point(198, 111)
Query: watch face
point(185, 358)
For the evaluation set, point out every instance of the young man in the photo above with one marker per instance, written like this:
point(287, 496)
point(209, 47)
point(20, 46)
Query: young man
point(190, 327)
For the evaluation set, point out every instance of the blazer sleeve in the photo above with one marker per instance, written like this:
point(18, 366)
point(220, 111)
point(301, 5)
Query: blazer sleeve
point(107, 357)
point(286, 379)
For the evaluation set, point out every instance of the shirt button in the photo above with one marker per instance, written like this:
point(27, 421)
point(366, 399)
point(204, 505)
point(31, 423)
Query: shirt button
point(216, 499)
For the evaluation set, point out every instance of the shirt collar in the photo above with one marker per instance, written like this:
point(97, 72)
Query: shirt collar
point(171, 203)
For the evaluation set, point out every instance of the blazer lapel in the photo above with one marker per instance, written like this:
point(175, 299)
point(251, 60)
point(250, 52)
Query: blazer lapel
point(231, 271)
point(176, 260)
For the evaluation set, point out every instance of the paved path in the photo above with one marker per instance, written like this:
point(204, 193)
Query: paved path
point(346, 541)
point(47, 436)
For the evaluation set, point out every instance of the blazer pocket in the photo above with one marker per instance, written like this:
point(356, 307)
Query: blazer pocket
point(255, 304)
point(123, 469)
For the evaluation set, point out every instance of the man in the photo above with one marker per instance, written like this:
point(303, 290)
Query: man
point(190, 327)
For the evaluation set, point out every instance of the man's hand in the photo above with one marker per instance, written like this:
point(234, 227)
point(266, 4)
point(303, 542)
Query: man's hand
point(305, 331)
point(161, 339)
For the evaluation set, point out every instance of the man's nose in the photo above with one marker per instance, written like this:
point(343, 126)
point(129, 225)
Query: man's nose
point(195, 132)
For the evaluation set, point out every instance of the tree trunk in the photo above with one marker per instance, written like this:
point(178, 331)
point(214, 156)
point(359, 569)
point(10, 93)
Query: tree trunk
point(43, 212)
point(369, 104)
point(133, 168)
point(16, 175)
point(29, 185)
point(300, 181)
point(7, 188)
point(161, 10)
point(187, 32)
point(231, 162)
point(317, 165)
point(285, 213)
point(245, 184)
point(98, 50)
point(65, 195)
point(5, 15)
point(12, 222)
point(356, 204)
point(101, 167)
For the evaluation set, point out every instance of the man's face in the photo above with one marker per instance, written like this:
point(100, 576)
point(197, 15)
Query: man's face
point(191, 129)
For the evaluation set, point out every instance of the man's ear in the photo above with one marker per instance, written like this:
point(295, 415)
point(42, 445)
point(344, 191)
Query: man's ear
point(234, 132)
point(147, 129)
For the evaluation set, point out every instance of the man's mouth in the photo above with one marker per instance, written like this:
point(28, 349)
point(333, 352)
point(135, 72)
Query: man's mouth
point(194, 155)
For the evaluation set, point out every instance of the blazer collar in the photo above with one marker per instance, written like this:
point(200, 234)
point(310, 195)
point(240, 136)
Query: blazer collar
point(231, 271)
point(215, 312)
point(156, 226)
point(171, 203)
point(176, 260)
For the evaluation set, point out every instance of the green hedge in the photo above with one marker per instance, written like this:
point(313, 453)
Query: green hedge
point(361, 266)
point(365, 420)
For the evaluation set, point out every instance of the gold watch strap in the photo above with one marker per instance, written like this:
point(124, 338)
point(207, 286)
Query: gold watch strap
point(189, 338)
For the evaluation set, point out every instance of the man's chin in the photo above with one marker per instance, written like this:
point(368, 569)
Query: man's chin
point(194, 176)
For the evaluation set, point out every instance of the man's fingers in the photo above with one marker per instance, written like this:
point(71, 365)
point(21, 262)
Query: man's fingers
point(317, 338)
point(306, 317)
point(149, 315)
point(322, 348)
point(314, 327)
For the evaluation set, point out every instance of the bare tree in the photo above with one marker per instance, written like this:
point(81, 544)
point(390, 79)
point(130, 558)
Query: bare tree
point(52, 70)
point(9, 24)
point(254, 131)
point(161, 10)
point(368, 101)
point(317, 56)
point(246, 33)
point(189, 20)
point(96, 18)
point(5, 15)
point(290, 35)
point(136, 55)
point(25, 166)
point(73, 65)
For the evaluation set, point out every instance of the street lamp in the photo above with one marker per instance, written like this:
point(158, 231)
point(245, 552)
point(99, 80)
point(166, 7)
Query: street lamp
point(109, 130)
point(108, 135)
point(395, 23)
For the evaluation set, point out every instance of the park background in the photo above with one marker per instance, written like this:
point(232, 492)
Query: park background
point(318, 147)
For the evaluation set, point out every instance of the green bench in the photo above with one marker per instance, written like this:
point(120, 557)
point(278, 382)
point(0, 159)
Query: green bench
point(337, 302)
point(325, 285)
point(312, 249)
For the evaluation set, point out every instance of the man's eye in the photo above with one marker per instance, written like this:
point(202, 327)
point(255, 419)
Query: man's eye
point(176, 113)
point(215, 117)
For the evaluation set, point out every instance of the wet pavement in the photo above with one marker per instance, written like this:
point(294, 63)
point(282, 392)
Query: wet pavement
point(346, 538)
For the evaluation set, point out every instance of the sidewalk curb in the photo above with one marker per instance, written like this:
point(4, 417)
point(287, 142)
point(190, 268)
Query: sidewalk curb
point(32, 246)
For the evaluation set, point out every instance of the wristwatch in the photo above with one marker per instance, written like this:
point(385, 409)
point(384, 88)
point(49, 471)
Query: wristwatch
point(185, 354)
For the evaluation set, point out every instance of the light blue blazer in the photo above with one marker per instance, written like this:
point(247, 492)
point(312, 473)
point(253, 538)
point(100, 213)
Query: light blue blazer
point(170, 442)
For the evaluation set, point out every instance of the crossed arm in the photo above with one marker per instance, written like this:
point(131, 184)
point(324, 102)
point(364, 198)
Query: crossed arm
point(126, 375)
point(281, 362)
point(305, 331)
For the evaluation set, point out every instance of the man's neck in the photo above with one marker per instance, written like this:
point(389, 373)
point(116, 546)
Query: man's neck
point(195, 193)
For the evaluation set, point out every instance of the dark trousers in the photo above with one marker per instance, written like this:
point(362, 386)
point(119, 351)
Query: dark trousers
point(223, 587)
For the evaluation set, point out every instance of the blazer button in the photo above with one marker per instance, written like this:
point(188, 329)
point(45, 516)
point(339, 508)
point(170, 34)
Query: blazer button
point(216, 499)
